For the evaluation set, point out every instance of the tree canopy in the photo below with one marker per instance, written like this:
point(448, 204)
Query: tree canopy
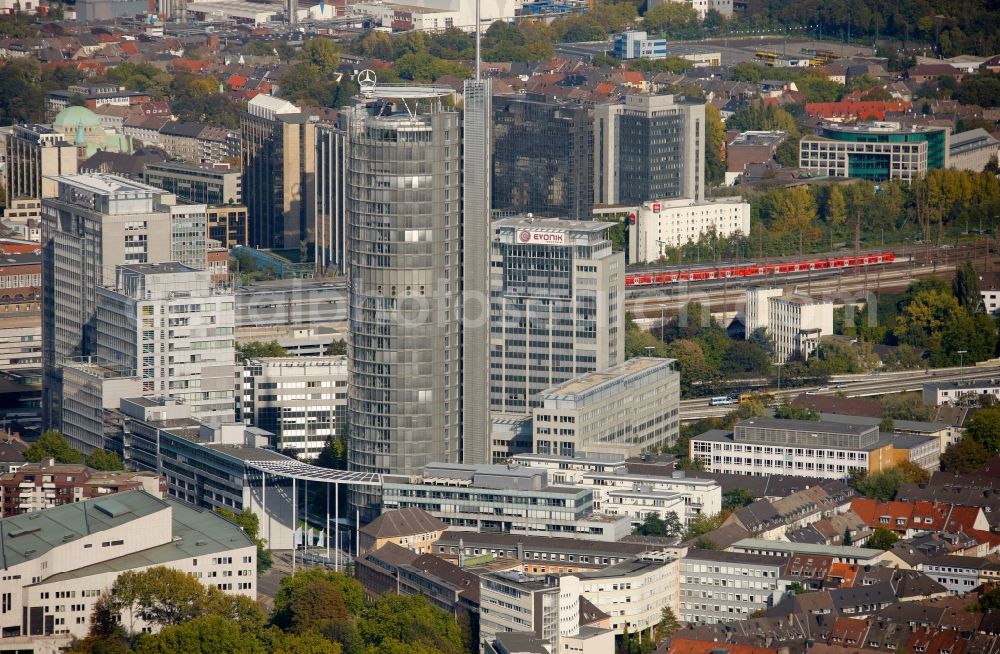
point(53, 445)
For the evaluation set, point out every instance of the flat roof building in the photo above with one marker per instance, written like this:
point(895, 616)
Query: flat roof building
point(502, 498)
point(627, 409)
point(876, 151)
point(557, 296)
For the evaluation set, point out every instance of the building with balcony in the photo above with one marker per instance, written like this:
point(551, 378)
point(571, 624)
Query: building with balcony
point(40, 486)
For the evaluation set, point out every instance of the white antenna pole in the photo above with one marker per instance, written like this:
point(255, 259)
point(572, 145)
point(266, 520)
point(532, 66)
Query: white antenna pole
point(479, 26)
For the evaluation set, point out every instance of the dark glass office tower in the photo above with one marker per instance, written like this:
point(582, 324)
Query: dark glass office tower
point(543, 157)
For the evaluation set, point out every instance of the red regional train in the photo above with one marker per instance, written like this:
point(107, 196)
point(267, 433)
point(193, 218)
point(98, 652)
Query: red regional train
point(660, 277)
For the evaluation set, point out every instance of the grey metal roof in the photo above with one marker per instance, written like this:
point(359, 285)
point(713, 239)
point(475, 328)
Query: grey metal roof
point(196, 532)
point(30, 535)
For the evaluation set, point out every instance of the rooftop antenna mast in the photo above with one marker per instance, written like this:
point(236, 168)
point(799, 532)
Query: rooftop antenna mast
point(479, 27)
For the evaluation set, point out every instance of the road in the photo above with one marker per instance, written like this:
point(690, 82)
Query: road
point(864, 385)
point(732, 50)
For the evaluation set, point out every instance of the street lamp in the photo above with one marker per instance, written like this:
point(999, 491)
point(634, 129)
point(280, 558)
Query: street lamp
point(961, 358)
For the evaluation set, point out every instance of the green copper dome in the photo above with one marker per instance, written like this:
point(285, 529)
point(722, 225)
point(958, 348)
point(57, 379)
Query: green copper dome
point(75, 117)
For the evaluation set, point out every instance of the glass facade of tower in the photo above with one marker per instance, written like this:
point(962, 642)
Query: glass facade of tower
point(543, 157)
point(651, 156)
point(404, 210)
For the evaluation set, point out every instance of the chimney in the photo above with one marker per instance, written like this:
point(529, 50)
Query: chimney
point(49, 462)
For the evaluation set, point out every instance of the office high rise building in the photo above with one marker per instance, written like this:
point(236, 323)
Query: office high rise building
point(95, 223)
point(174, 327)
point(34, 152)
point(404, 171)
point(279, 167)
point(557, 292)
point(649, 147)
point(543, 156)
point(476, 213)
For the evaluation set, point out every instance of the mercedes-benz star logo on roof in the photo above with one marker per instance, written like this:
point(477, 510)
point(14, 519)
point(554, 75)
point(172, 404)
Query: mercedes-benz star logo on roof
point(367, 79)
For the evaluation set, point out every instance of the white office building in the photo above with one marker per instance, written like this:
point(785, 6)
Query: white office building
point(173, 326)
point(557, 297)
point(617, 492)
point(626, 409)
point(301, 400)
point(94, 223)
point(963, 391)
point(506, 499)
point(729, 586)
point(796, 322)
point(633, 592)
point(57, 563)
point(663, 224)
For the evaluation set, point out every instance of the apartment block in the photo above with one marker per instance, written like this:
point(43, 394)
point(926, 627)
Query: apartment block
point(60, 561)
point(633, 592)
point(34, 153)
point(626, 409)
point(301, 400)
point(502, 498)
point(728, 586)
point(556, 294)
point(543, 156)
point(279, 166)
point(636, 45)
point(963, 391)
point(215, 185)
point(876, 151)
point(40, 486)
point(765, 446)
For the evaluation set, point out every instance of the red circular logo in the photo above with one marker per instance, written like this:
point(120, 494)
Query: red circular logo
point(524, 236)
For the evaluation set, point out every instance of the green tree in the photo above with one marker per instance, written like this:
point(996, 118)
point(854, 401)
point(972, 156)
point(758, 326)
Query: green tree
point(964, 457)
point(104, 460)
point(706, 543)
point(52, 445)
point(984, 428)
point(676, 19)
point(337, 348)
point(162, 596)
point(736, 498)
point(966, 288)
point(715, 143)
point(667, 626)
point(847, 537)
point(653, 525)
point(745, 358)
point(323, 54)
point(796, 588)
point(349, 588)
point(201, 635)
point(788, 411)
point(905, 406)
point(888, 425)
point(705, 523)
point(249, 522)
point(882, 539)
point(257, 350)
point(411, 620)
point(309, 605)
point(797, 217)
point(836, 208)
